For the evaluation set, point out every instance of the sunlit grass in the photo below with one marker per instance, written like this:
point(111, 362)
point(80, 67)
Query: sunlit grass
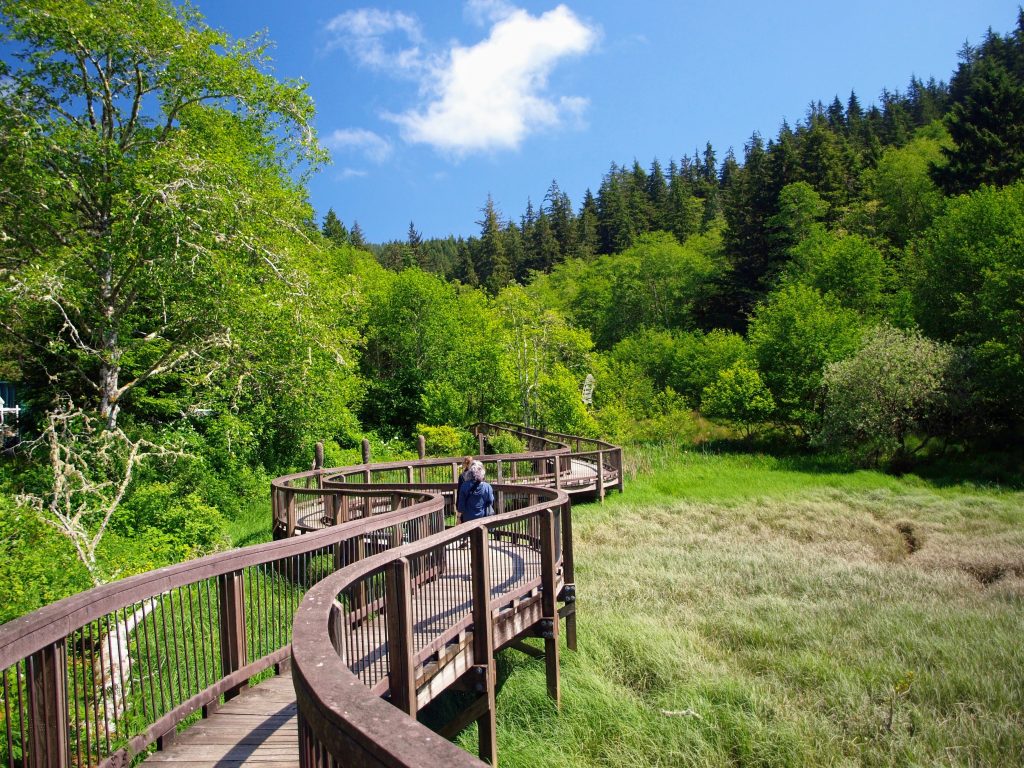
point(747, 610)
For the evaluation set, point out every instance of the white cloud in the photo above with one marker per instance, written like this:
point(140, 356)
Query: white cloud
point(484, 12)
point(372, 145)
point(351, 173)
point(364, 32)
point(492, 95)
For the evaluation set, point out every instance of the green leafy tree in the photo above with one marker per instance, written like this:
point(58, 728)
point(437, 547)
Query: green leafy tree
point(907, 197)
point(968, 288)
point(152, 173)
point(793, 335)
point(698, 358)
point(738, 395)
point(549, 360)
point(849, 268)
point(892, 389)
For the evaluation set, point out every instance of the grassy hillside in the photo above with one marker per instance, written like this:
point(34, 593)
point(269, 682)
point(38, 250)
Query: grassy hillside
point(739, 610)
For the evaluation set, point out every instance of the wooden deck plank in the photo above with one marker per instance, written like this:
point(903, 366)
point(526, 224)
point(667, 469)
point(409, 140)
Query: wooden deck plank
point(257, 728)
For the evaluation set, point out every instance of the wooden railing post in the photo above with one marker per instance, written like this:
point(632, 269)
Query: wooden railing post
point(290, 503)
point(558, 470)
point(398, 583)
point(47, 707)
point(483, 643)
point(231, 615)
point(549, 605)
point(600, 476)
point(569, 576)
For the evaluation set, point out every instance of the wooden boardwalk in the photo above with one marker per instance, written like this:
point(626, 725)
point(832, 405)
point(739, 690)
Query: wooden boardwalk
point(256, 728)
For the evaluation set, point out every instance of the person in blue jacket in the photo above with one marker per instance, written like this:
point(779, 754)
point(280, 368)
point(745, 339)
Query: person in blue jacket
point(475, 497)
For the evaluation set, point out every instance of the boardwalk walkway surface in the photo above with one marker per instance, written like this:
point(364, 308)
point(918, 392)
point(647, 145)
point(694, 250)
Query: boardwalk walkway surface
point(258, 727)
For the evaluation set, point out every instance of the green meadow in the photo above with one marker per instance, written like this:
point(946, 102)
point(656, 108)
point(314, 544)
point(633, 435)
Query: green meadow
point(750, 610)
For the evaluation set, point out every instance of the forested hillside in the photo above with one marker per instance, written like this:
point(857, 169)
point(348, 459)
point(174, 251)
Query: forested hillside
point(180, 325)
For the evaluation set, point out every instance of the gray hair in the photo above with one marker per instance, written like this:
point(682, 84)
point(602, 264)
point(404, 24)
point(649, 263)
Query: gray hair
point(476, 471)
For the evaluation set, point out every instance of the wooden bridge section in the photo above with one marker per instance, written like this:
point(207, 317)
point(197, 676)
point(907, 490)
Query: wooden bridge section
point(368, 596)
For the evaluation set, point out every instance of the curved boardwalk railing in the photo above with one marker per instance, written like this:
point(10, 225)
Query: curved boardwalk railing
point(385, 602)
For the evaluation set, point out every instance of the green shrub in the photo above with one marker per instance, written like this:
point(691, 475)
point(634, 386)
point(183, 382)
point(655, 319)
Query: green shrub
point(504, 442)
point(446, 440)
point(738, 395)
point(192, 526)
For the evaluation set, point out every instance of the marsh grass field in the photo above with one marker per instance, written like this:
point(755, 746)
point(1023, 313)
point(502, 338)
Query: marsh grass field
point(747, 610)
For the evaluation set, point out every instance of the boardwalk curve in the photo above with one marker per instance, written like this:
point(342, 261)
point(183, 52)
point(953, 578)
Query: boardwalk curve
point(376, 605)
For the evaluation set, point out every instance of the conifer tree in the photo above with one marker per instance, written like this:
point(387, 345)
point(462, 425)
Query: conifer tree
point(357, 238)
point(986, 120)
point(588, 239)
point(493, 269)
point(414, 244)
point(333, 229)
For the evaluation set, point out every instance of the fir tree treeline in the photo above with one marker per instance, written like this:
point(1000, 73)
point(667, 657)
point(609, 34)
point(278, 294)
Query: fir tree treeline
point(830, 149)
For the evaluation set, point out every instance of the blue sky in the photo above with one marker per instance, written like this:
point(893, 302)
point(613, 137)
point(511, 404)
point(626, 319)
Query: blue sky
point(428, 107)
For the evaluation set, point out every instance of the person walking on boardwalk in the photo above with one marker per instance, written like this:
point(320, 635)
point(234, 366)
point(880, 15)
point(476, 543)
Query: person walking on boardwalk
point(475, 495)
point(463, 476)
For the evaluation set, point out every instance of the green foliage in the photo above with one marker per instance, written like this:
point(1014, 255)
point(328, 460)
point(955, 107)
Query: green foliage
point(738, 395)
point(560, 407)
point(968, 284)
point(192, 527)
point(894, 388)
point(901, 184)
point(548, 359)
point(446, 440)
point(846, 267)
point(656, 283)
point(171, 171)
point(505, 442)
point(37, 564)
point(651, 350)
point(700, 357)
point(986, 115)
point(434, 354)
point(793, 336)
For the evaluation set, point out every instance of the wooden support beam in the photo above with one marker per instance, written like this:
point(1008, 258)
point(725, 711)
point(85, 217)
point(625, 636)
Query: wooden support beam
point(462, 720)
point(549, 625)
point(483, 642)
point(529, 650)
point(569, 575)
point(398, 583)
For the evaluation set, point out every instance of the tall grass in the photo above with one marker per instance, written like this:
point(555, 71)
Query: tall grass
point(747, 610)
